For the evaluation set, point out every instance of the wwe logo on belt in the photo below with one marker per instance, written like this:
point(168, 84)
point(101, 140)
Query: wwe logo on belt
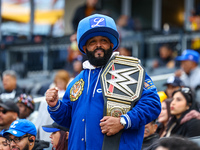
point(122, 84)
point(97, 22)
point(122, 79)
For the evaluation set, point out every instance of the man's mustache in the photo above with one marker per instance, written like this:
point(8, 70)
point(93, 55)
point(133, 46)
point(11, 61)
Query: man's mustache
point(99, 48)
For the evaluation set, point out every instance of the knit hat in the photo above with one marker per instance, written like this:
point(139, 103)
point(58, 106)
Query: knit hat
point(27, 100)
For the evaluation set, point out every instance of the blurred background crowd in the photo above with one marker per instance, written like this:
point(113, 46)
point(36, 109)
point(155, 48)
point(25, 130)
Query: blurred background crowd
point(38, 50)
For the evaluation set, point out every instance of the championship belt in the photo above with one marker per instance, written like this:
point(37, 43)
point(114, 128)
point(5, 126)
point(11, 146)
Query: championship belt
point(122, 83)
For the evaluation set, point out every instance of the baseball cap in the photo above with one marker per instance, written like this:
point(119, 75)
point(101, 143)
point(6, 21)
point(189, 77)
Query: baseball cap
point(21, 127)
point(54, 127)
point(27, 100)
point(97, 25)
point(189, 55)
point(10, 105)
point(174, 81)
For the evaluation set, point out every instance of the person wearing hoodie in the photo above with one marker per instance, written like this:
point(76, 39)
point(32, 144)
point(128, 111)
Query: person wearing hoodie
point(82, 106)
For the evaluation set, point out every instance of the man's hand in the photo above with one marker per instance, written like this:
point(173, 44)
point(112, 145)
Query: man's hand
point(178, 73)
point(110, 125)
point(192, 114)
point(52, 96)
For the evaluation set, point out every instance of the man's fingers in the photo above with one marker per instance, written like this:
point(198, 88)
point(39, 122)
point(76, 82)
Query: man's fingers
point(104, 118)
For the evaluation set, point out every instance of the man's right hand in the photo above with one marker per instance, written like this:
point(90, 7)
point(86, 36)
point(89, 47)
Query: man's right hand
point(52, 96)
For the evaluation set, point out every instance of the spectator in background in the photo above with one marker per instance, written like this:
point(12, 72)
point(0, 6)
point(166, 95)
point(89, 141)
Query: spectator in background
point(61, 80)
point(26, 108)
point(173, 83)
point(3, 144)
point(164, 117)
point(77, 66)
point(83, 11)
point(166, 58)
point(87, 9)
point(150, 134)
point(8, 113)
point(190, 70)
point(182, 103)
point(11, 89)
point(125, 26)
point(59, 136)
point(176, 143)
point(74, 55)
point(195, 26)
point(21, 135)
point(125, 51)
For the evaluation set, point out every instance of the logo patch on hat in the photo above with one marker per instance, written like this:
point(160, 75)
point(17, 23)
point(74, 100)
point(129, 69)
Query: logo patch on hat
point(97, 22)
point(13, 125)
point(191, 57)
point(76, 90)
point(14, 132)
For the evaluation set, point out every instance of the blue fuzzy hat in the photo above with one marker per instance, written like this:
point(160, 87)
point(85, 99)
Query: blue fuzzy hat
point(97, 25)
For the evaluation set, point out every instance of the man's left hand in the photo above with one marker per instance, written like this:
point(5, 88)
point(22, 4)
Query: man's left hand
point(110, 125)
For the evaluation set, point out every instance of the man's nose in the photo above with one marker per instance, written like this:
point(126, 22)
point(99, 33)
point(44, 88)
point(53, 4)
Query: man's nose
point(98, 44)
point(12, 143)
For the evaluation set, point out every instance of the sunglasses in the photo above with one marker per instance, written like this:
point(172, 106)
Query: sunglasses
point(185, 90)
point(4, 111)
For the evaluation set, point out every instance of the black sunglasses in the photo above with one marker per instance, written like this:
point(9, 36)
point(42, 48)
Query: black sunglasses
point(4, 111)
point(185, 90)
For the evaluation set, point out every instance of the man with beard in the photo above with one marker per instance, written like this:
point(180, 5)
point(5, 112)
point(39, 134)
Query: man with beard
point(82, 106)
point(9, 112)
point(21, 135)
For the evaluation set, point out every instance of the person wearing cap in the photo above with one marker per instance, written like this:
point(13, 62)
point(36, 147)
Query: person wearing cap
point(173, 83)
point(21, 135)
point(82, 106)
point(3, 144)
point(59, 135)
point(10, 88)
point(8, 113)
point(190, 70)
point(26, 108)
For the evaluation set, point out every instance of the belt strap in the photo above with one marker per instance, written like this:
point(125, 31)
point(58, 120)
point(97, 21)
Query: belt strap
point(112, 142)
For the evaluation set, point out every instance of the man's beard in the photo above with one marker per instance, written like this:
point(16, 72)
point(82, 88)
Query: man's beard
point(100, 61)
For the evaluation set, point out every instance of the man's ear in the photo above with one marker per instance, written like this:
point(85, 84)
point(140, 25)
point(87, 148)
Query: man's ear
point(31, 139)
point(155, 127)
point(67, 135)
point(112, 45)
point(84, 48)
point(14, 116)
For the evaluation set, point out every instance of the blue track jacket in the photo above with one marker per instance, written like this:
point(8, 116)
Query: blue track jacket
point(82, 109)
